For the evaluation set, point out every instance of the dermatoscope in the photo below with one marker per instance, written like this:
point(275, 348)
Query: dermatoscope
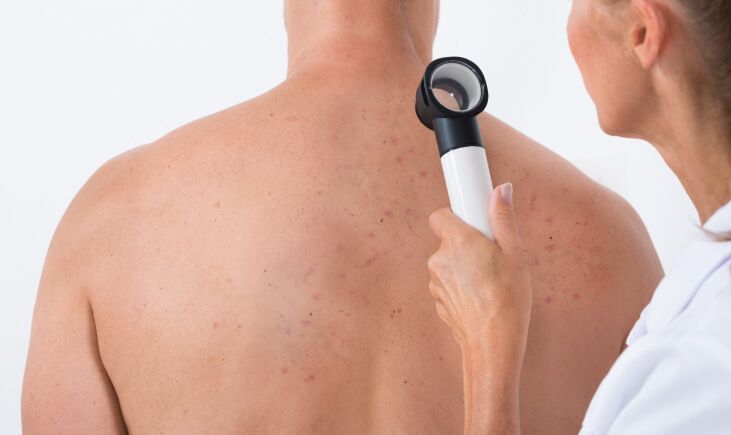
point(451, 95)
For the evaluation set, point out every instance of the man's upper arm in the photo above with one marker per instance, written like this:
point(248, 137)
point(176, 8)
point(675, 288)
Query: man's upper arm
point(66, 388)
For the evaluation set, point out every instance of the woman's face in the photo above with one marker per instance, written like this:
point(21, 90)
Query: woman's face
point(598, 32)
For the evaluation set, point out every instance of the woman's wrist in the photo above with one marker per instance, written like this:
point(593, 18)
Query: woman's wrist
point(491, 390)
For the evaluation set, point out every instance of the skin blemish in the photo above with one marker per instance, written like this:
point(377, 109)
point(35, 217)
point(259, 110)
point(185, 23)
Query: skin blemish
point(371, 260)
point(283, 370)
point(533, 200)
point(319, 193)
point(548, 300)
point(315, 297)
point(371, 235)
point(239, 326)
point(217, 204)
point(309, 272)
point(423, 174)
point(394, 140)
point(388, 213)
point(549, 220)
point(215, 325)
point(306, 323)
point(408, 211)
point(576, 296)
point(271, 115)
point(310, 378)
point(550, 248)
point(400, 160)
point(342, 276)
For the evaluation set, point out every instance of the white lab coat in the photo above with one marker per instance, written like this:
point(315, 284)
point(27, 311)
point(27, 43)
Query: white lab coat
point(675, 376)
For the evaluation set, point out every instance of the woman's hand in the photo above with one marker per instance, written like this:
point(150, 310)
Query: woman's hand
point(483, 292)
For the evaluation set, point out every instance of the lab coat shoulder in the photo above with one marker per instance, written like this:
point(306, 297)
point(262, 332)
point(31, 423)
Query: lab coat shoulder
point(681, 385)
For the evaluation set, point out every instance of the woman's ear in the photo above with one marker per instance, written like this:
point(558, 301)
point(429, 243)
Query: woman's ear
point(649, 31)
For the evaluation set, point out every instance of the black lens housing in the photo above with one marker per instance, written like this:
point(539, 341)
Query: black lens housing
point(454, 129)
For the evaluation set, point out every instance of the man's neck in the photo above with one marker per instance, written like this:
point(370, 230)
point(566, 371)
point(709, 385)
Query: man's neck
point(358, 35)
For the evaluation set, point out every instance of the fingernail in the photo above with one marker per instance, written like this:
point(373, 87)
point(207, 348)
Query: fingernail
point(506, 191)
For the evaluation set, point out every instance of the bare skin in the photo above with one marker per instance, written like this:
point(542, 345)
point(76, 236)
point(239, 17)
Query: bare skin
point(262, 270)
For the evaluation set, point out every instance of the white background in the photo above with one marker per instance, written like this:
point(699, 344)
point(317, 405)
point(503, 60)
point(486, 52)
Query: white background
point(83, 80)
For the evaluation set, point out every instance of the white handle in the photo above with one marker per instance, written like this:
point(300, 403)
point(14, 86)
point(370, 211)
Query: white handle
point(469, 186)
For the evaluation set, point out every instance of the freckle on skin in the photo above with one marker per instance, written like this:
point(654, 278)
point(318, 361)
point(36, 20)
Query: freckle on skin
point(371, 260)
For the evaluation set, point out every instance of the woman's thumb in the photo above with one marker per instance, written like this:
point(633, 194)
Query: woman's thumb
point(502, 218)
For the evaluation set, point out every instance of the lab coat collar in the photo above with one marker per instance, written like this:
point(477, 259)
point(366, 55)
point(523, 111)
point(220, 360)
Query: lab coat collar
point(676, 291)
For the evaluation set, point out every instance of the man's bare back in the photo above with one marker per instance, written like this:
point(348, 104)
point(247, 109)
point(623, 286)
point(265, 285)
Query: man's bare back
point(263, 270)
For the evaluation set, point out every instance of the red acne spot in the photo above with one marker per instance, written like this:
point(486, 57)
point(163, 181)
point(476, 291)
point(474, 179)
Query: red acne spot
point(400, 160)
point(371, 235)
point(306, 323)
point(565, 190)
point(388, 213)
point(283, 370)
point(548, 300)
point(310, 378)
point(576, 296)
point(239, 326)
point(342, 276)
point(549, 220)
point(316, 296)
point(536, 261)
point(394, 140)
point(288, 331)
point(409, 211)
point(215, 325)
point(550, 248)
point(423, 174)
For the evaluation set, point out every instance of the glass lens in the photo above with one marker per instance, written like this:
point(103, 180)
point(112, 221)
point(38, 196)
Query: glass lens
point(456, 86)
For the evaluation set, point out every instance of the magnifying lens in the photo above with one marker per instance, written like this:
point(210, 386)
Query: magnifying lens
point(451, 95)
